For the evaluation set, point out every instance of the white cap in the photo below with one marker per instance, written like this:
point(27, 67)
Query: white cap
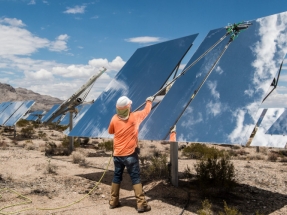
point(123, 102)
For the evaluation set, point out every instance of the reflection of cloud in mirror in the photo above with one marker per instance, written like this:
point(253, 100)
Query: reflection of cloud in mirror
point(219, 70)
point(238, 134)
point(214, 108)
point(116, 85)
point(192, 119)
point(262, 139)
point(272, 31)
point(212, 86)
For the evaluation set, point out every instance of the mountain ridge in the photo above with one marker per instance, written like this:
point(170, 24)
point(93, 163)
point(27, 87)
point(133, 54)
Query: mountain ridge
point(42, 102)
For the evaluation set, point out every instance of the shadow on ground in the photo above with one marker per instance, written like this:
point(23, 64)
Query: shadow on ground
point(246, 199)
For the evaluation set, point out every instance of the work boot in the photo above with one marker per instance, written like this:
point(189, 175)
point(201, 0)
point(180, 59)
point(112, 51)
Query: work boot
point(142, 205)
point(115, 192)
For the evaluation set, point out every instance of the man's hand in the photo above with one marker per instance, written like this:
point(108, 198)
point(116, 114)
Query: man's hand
point(150, 98)
point(173, 129)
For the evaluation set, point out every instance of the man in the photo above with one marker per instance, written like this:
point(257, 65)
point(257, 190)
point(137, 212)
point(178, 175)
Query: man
point(124, 125)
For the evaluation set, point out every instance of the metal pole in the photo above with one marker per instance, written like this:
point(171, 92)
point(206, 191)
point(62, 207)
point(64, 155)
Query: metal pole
point(15, 131)
point(71, 127)
point(174, 163)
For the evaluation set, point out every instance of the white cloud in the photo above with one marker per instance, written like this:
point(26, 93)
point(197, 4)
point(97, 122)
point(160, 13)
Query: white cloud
point(145, 39)
point(39, 75)
point(13, 22)
point(17, 41)
point(75, 10)
point(32, 2)
point(60, 44)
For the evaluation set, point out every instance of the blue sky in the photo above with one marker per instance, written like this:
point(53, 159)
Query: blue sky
point(53, 47)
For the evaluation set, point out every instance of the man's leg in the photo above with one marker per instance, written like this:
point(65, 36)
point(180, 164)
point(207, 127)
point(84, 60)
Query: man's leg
point(115, 188)
point(133, 167)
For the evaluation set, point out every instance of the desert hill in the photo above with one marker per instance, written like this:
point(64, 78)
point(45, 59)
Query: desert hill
point(43, 102)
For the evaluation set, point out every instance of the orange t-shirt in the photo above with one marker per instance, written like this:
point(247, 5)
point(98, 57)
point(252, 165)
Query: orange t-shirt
point(126, 131)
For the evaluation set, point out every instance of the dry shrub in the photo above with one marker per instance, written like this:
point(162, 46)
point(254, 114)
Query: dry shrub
point(52, 149)
point(51, 168)
point(22, 123)
point(272, 157)
point(41, 135)
point(29, 146)
point(3, 144)
point(263, 150)
point(78, 158)
point(187, 173)
point(15, 142)
point(256, 157)
point(284, 159)
point(66, 142)
point(27, 131)
point(107, 145)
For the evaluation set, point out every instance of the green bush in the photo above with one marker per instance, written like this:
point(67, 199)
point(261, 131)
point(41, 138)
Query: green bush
point(199, 151)
point(155, 168)
point(206, 208)
point(22, 123)
point(217, 173)
point(28, 131)
point(107, 145)
point(229, 210)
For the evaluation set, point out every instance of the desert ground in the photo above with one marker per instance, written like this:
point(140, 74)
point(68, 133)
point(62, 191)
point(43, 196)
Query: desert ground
point(35, 181)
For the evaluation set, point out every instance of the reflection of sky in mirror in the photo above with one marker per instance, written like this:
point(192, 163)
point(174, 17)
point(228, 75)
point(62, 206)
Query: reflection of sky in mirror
point(5, 115)
point(262, 139)
point(143, 75)
point(19, 113)
point(225, 107)
point(159, 122)
point(3, 106)
point(82, 109)
point(279, 127)
point(50, 112)
point(33, 116)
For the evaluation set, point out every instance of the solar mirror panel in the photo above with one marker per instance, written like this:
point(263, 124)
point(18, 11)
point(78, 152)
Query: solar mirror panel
point(279, 127)
point(19, 113)
point(49, 113)
point(142, 76)
point(261, 137)
point(82, 109)
point(158, 123)
point(35, 115)
point(223, 109)
point(57, 118)
point(9, 111)
point(66, 119)
point(3, 106)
